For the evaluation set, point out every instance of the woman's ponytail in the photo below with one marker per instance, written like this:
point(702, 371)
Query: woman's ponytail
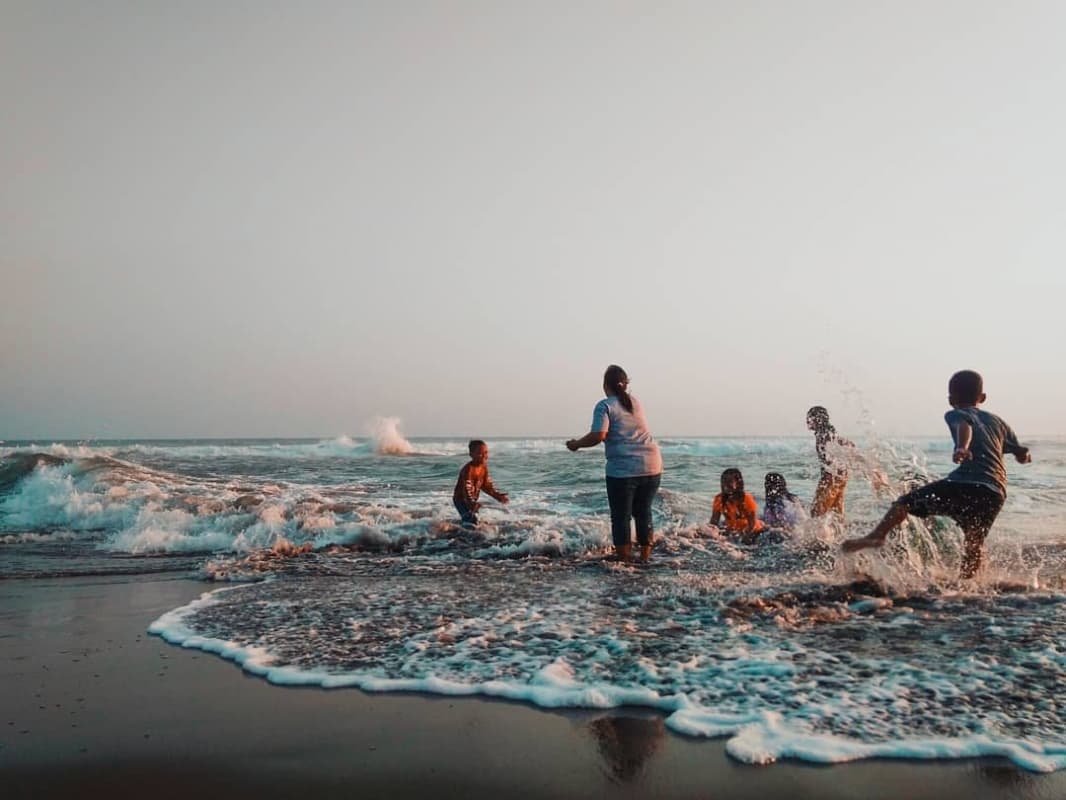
point(616, 382)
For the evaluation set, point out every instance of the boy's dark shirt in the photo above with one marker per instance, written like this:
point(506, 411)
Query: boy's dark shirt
point(992, 437)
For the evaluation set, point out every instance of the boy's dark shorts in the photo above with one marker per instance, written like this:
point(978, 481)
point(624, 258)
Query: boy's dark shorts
point(466, 514)
point(972, 506)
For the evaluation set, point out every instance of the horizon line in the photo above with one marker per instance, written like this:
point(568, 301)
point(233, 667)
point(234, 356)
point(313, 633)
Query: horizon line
point(457, 437)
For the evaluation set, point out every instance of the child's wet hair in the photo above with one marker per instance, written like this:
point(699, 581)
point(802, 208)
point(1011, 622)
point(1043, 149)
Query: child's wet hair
point(966, 386)
point(474, 445)
point(733, 472)
point(818, 415)
point(774, 484)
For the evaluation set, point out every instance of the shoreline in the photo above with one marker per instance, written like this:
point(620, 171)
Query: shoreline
point(94, 703)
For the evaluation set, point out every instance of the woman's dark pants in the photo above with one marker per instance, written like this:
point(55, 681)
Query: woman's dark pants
point(631, 498)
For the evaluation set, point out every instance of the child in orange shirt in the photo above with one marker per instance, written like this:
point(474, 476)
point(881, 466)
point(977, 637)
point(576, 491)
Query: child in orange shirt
point(738, 507)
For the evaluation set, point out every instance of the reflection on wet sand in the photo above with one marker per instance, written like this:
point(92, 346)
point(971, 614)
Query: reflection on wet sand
point(1006, 775)
point(626, 743)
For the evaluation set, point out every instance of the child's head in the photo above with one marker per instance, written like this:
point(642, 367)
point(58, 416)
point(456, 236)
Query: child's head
point(732, 481)
point(479, 451)
point(817, 418)
point(966, 388)
point(775, 485)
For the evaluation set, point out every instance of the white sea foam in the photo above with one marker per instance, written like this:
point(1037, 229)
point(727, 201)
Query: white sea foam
point(564, 639)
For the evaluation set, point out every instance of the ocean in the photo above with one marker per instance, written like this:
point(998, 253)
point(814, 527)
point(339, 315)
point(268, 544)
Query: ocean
point(340, 563)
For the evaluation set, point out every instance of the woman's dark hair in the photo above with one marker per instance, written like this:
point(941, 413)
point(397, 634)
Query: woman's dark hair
point(616, 382)
point(775, 485)
point(733, 472)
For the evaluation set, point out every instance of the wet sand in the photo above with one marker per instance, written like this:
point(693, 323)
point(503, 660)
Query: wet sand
point(92, 704)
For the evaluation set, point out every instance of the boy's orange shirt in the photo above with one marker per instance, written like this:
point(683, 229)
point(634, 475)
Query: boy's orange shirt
point(736, 514)
point(472, 479)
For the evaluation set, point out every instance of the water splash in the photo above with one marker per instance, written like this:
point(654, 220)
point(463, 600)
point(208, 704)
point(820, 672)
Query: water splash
point(385, 433)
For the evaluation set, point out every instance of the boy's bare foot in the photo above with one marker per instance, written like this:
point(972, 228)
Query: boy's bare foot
point(851, 545)
point(645, 553)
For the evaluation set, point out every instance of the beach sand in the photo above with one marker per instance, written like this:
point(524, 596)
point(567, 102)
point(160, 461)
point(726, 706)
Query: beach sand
point(95, 706)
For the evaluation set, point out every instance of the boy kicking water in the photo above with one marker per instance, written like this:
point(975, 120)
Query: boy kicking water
point(973, 493)
point(474, 477)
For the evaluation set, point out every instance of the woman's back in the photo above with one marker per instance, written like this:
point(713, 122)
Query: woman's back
point(630, 448)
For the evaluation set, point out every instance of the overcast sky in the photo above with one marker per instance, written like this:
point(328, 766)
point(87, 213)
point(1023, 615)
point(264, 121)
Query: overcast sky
point(265, 219)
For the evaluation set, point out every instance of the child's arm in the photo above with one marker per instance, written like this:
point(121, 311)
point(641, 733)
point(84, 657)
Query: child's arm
point(751, 513)
point(1011, 445)
point(465, 489)
point(962, 435)
point(491, 490)
point(752, 519)
point(716, 510)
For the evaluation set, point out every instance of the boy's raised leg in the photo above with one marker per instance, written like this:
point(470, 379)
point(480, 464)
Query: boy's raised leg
point(972, 553)
point(876, 538)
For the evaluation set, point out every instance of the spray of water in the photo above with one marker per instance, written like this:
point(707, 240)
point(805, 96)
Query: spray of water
point(386, 436)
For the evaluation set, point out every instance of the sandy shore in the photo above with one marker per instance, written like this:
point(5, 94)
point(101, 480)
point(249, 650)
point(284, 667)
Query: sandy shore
point(92, 704)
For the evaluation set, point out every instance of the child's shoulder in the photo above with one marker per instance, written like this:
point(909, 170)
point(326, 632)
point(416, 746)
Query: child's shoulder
point(973, 413)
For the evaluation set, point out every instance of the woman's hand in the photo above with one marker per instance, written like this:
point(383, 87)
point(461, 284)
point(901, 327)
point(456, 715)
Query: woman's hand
point(590, 439)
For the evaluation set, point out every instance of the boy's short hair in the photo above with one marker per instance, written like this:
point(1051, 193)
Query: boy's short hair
point(966, 386)
point(474, 445)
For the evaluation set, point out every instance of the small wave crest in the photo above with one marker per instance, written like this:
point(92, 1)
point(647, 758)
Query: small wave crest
point(16, 466)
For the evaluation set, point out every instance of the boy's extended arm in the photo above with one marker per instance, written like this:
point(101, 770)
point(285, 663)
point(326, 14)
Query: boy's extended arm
point(492, 491)
point(1011, 445)
point(962, 434)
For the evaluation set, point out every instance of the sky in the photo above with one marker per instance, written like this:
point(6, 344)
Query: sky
point(285, 219)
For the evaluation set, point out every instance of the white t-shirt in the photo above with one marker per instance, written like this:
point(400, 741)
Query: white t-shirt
point(631, 451)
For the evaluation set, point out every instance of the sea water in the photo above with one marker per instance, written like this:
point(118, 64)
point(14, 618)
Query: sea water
point(341, 563)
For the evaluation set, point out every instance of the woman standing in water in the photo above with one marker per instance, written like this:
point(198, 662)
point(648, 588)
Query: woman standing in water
point(634, 464)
